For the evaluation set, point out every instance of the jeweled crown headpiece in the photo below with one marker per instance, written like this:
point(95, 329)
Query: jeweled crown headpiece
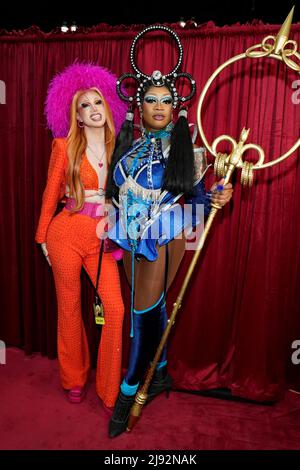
point(157, 78)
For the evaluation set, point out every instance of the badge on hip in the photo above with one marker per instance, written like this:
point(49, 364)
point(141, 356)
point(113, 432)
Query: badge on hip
point(98, 311)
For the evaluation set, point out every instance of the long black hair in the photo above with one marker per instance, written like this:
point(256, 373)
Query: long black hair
point(179, 172)
point(124, 141)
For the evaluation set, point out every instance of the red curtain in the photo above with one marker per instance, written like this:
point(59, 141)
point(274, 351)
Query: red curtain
point(240, 314)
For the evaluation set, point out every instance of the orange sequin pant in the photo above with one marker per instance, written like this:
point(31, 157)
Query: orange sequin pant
point(72, 243)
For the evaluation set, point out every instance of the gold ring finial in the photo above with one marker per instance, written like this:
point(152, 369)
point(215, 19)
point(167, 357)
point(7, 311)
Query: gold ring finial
point(279, 48)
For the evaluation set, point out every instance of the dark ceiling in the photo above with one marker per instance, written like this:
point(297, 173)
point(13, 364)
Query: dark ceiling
point(49, 14)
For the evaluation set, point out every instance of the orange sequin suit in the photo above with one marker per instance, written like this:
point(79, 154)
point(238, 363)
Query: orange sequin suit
point(72, 243)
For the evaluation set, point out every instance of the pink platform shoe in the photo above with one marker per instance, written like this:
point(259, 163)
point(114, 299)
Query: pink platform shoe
point(76, 394)
point(108, 410)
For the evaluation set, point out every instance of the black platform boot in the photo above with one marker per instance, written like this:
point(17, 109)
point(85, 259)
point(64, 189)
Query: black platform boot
point(161, 382)
point(119, 419)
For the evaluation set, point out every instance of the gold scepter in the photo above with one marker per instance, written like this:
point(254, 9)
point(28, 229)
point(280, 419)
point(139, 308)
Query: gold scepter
point(225, 164)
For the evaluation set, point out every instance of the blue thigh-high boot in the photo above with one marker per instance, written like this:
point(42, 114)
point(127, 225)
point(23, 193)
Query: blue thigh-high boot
point(146, 327)
point(161, 380)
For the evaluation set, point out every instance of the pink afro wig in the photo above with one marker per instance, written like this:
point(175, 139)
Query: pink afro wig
point(80, 76)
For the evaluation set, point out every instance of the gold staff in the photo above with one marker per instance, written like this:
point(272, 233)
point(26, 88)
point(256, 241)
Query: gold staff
point(280, 48)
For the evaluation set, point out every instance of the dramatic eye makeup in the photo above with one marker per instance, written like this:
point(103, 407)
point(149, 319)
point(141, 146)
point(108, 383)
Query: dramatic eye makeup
point(152, 99)
point(167, 100)
point(85, 104)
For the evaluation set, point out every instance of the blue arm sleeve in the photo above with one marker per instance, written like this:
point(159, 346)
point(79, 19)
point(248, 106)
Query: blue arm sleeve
point(200, 197)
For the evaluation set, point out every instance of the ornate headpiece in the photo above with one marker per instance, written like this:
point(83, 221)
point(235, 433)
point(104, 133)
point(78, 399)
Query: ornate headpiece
point(157, 78)
point(80, 76)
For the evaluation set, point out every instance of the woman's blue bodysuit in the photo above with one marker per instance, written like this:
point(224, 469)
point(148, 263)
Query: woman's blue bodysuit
point(147, 217)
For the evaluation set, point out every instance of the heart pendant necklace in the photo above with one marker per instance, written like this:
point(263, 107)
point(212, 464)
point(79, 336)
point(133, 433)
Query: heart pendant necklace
point(99, 160)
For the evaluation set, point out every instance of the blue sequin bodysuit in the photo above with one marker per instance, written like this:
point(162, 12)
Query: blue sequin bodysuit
point(148, 215)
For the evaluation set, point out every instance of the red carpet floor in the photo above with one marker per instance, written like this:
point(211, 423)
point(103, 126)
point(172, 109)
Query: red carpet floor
point(34, 414)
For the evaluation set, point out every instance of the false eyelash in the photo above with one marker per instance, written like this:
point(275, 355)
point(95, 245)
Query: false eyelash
point(150, 100)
